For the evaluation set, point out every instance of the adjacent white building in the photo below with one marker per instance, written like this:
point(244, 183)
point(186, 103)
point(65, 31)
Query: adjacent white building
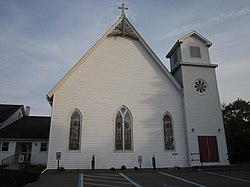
point(120, 102)
point(23, 138)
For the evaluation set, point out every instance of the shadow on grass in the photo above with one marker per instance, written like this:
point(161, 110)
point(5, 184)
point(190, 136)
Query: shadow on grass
point(16, 178)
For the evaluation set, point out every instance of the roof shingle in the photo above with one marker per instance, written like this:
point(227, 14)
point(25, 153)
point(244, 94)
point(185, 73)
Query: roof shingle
point(7, 110)
point(27, 127)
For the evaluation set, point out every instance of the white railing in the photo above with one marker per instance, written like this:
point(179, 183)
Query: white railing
point(9, 160)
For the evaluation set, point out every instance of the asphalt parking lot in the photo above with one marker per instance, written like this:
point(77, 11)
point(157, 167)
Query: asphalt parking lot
point(104, 179)
point(166, 178)
point(239, 177)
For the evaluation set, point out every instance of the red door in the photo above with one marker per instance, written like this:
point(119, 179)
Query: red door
point(208, 148)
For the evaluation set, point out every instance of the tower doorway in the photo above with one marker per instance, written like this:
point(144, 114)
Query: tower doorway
point(208, 149)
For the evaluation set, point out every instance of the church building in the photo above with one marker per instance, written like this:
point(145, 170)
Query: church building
point(122, 105)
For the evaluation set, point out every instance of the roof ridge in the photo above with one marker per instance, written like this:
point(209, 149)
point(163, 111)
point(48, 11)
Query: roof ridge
point(10, 105)
point(124, 29)
point(36, 117)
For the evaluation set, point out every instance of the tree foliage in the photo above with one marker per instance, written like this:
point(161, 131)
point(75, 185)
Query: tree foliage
point(236, 118)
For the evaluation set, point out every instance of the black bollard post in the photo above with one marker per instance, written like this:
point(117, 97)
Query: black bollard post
point(58, 168)
point(153, 162)
point(93, 162)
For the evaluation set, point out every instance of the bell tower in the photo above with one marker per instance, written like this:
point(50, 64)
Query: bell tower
point(190, 65)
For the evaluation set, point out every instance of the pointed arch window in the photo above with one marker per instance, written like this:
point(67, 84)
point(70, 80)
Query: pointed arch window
point(168, 132)
point(123, 130)
point(75, 130)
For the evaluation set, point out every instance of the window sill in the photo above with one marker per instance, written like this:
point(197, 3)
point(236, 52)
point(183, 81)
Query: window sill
point(169, 151)
point(123, 151)
point(73, 151)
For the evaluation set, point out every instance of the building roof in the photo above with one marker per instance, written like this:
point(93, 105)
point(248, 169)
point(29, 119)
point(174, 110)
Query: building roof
point(7, 110)
point(26, 128)
point(125, 29)
point(181, 40)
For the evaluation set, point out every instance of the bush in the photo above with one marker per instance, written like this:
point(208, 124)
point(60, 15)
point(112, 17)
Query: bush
point(61, 169)
point(176, 168)
point(123, 167)
point(112, 169)
point(136, 168)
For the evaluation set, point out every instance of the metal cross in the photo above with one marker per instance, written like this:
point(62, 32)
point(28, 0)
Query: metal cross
point(123, 9)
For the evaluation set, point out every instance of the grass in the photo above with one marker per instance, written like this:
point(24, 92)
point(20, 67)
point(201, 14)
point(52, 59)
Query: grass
point(18, 178)
point(34, 168)
point(13, 178)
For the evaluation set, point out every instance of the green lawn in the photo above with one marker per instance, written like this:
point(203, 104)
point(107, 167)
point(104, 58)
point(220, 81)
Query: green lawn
point(16, 178)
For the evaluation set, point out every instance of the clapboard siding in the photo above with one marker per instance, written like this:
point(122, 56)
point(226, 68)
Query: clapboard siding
point(10, 152)
point(203, 111)
point(118, 72)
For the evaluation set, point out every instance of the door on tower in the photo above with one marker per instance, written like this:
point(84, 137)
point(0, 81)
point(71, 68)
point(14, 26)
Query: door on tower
point(208, 149)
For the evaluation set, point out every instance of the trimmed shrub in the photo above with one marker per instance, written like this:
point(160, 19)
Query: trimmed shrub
point(123, 167)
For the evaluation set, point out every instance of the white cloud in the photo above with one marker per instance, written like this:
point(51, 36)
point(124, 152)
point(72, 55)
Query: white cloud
point(209, 22)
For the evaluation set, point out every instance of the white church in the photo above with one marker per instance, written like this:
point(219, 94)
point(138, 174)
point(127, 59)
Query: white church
point(120, 103)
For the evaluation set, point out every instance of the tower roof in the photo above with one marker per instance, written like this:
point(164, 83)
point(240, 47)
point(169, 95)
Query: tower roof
point(181, 40)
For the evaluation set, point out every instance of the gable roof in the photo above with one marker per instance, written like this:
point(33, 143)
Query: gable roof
point(181, 40)
point(121, 28)
point(7, 110)
point(26, 128)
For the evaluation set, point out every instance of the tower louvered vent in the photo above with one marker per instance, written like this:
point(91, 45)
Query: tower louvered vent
point(195, 51)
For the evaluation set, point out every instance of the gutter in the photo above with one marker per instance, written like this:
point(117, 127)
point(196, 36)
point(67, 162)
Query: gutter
point(44, 171)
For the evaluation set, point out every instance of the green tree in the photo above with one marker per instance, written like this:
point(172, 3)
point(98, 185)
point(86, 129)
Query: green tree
point(236, 118)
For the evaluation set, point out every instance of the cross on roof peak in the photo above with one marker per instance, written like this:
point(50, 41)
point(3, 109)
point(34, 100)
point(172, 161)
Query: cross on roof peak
point(123, 8)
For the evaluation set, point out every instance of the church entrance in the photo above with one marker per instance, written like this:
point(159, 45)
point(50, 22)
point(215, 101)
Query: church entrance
point(25, 154)
point(208, 149)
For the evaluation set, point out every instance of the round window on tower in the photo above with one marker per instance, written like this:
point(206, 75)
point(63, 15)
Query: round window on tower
point(200, 86)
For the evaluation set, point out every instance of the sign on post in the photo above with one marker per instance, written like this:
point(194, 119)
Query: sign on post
point(58, 155)
point(139, 159)
point(175, 154)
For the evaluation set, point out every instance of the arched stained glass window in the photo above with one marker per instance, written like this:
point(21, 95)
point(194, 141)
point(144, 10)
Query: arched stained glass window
point(75, 130)
point(118, 132)
point(123, 130)
point(168, 132)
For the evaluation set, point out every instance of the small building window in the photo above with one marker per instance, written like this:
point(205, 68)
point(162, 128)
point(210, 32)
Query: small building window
point(195, 52)
point(168, 132)
point(123, 130)
point(4, 146)
point(44, 147)
point(75, 130)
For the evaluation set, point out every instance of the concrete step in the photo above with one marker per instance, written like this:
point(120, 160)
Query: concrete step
point(13, 167)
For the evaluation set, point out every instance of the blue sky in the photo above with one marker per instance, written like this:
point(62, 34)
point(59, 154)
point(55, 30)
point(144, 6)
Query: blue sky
point(41, 40)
